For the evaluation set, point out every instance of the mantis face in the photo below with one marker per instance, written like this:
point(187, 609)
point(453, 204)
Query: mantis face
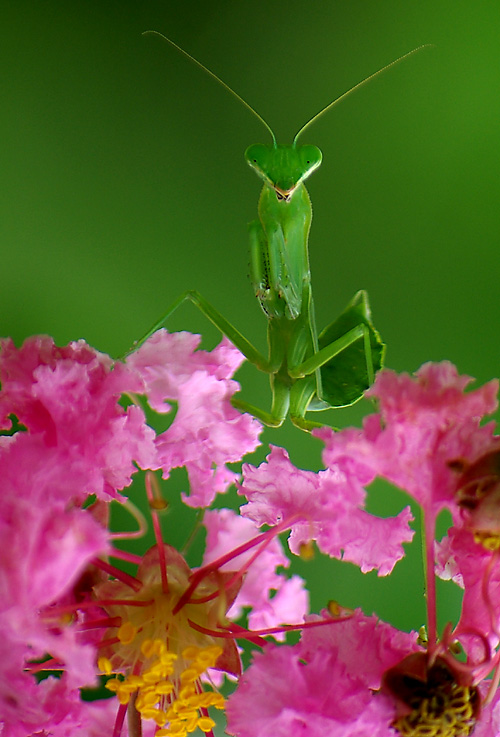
point(283, 168)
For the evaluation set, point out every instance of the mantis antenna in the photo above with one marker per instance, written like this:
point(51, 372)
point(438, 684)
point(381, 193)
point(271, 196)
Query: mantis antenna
point(254, 112)
point(356, 87)
point(217, 79)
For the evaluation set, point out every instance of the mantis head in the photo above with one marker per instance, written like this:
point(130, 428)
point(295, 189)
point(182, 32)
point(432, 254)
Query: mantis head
point(283, 168)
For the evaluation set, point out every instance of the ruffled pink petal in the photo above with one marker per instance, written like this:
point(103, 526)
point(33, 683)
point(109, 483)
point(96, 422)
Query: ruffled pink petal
point(425, 423)
point(207, 433)
point(318, 687)
point(68, 398)
point(326, 507)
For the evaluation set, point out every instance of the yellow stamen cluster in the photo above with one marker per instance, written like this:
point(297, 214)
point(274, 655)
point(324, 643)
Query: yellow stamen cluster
point(164, 692)
point(489, 540)
point(449, 712)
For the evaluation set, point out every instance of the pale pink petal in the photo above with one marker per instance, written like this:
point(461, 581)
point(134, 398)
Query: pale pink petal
point(481, 582)
point(207, 433)
point(68, 398)
point(489, 723)
point(318, 688)
point(328, 507)
point(425, 423)
point(167, 360)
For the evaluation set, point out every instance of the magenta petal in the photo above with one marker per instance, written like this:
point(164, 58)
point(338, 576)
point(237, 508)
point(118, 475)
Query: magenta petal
point(327, 507)
point(318, 688)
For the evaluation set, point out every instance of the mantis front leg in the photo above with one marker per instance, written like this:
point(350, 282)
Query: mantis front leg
point(270, 365)
point(267, 365)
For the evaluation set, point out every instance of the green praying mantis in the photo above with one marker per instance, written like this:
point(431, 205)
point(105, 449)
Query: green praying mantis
point(308, 371)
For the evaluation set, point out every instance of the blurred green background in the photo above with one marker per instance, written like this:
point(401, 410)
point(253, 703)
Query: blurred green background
point(123, 183)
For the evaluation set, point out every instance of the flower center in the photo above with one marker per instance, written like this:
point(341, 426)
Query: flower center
point(155, 648)
point(437, 706)
point(164, 696)
point(478, 494)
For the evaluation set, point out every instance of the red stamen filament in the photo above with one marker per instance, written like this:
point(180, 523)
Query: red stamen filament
point(223, 559)
point(125, 555)
point(153, 493)
point(125, 578)
point(250, 634)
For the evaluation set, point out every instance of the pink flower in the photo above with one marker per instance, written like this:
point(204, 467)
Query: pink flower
point(326, 685)
point(68, 398)
point(44, 551)
point(167, 360)
point(476, 570)
point(424, 424)
point(327, 507)
point(207, 432)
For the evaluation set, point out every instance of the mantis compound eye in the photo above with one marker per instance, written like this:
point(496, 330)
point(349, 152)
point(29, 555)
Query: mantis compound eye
point(257, 156)
point(310, 158)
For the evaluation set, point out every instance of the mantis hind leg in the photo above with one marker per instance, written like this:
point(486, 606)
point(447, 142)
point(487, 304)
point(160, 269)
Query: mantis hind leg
point(279, 408)
point(337, 388)
point(350, 352)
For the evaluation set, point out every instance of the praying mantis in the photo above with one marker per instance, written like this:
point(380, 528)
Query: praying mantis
point(307, 371)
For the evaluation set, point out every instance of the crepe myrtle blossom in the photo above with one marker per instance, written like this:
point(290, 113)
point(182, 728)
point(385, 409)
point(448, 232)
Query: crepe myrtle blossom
point(156, 636)
point(327, 507)
point(207, 431)
point(67, 437)
point(67, 400)
point(469, 554)
point(357, 677)
point(63, 436)
point(424, 424)
point(166, 629)
point(427, 431)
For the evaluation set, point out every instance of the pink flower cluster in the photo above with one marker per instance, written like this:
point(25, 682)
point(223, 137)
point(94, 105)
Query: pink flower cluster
point(361, 676)
point(73, 435)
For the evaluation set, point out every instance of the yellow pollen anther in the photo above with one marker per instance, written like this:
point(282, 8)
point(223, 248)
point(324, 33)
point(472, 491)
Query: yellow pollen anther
point(488, 540)
point(113, 684)
point(136, 680)
point(165, 687)
point(168, 658)
point(190, 675)
point(205, 724)
point(160, 718)
point(147, 648)
point(126, 633)
point(123, 696)
point(159, 647)
point(150, 676)
point(190, 653)
point(306, 550)
point(104, 665)
point(186, 692)
point(66, 618)
point(208, 657)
